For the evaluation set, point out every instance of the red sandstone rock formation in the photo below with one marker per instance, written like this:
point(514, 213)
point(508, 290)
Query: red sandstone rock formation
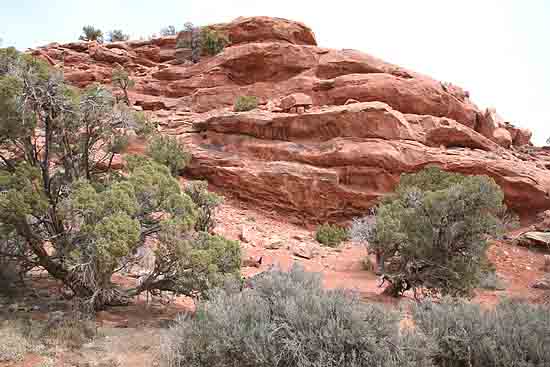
point(335, 159)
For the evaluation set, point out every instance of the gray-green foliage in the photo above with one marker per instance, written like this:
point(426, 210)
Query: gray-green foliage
point(168, 151)
point(90, 33)
point(462, 334)
point(118, 35)
point(245, 103)
point(434, 229)
point(62, 208)
point(287, 320)
point(206, 202)
point(192, 41)
point(168, 31)
point(490, 280)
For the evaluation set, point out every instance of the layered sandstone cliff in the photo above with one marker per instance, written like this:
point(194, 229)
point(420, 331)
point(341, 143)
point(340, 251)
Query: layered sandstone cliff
point(369, 120)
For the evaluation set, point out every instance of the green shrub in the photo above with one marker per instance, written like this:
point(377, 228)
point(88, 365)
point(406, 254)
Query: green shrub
point(212, 42)
point(285, 320)
point(245, 103)
point(201, 41)
point(330, 235)
point(90, 33)
point(168, 151)
point(434, 230)
point(465, 335)
point(206, 202)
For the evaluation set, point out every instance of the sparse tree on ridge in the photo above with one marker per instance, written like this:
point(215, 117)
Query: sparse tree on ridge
point(117, 35)
point(90, 33)
point(168, 31)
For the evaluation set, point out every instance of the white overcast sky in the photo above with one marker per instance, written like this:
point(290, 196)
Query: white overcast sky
point(499, 50)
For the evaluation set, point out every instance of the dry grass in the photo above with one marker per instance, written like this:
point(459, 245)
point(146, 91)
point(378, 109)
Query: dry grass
point(16, 340)
point(70, 333)
point(13, 345)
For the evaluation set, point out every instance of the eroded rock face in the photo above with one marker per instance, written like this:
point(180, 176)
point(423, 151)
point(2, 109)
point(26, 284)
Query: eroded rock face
point(362, 122)
point(254, 29)
point(343, 176)
point(358, 120)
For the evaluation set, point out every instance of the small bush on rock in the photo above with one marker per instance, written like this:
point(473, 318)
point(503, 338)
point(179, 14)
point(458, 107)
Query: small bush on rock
point(117, 35)
point(330, 235)
point(212, 41)
point(245, 103)
point(286, 320)
point(201, 41)
point(90, 33)
point(168, 31)
point(465, 335)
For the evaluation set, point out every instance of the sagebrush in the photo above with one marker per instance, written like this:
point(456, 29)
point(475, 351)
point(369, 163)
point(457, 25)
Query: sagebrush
point(461, 334)
point(286, 320)
point(491, 281)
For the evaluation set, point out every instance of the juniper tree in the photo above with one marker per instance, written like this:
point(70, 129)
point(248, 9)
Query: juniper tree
point(434, 230)
point(64, 210)
point(90, 33)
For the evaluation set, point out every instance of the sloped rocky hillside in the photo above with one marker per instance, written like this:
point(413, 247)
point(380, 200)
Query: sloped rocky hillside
point(333, 131)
